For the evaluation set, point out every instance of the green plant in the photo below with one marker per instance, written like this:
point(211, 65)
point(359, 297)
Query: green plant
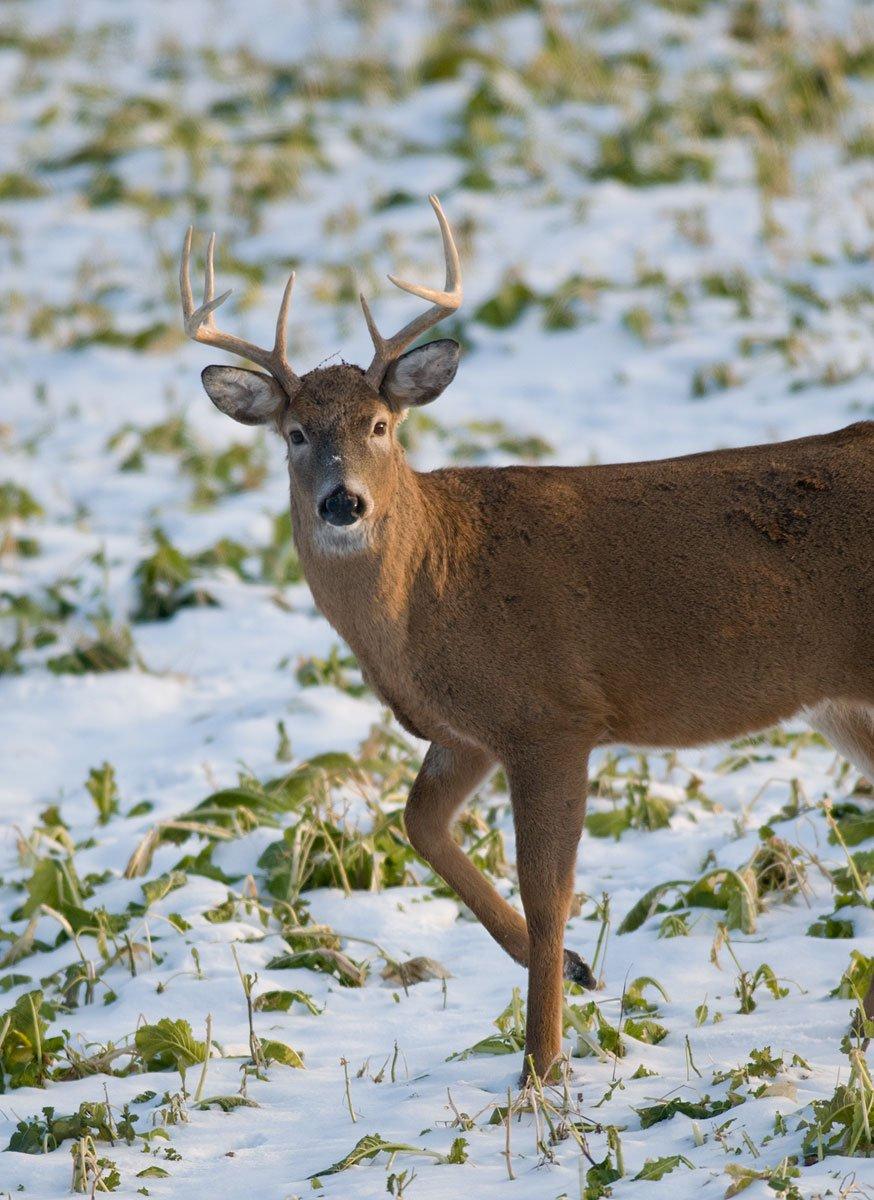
point(842, 1124)
point(699, 1110)
point(102, 787)
point(779, 1178)
point(734, 892)
point(510, 1037)
point(748, 982)
point(642, 810)
point(333, 671)
point(92, 1119)
point(508, 304)
point(16, 502)
point(111, 650)
point(165, 582)
point(169, 1045)
point(90, 1173)
point(26, 1053)
point(372, 1144)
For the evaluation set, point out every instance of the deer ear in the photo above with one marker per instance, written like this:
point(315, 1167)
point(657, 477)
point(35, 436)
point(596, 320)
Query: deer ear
point(250, 397)
point(420, 375)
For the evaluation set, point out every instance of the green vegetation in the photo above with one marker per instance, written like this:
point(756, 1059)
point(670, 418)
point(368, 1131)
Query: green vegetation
point(675, 162)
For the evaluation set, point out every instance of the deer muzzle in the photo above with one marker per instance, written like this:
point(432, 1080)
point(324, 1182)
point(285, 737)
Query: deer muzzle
point(342, 507)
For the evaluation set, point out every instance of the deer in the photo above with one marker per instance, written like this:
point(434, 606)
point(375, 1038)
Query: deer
point(523, 616)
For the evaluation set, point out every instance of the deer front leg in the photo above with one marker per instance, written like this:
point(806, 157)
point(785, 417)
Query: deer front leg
point(548, 789)
point(446, 779)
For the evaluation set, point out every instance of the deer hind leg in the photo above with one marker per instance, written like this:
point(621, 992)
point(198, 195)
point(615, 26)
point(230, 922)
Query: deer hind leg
point(447, 778)
point(850, 729)
point(548, 789)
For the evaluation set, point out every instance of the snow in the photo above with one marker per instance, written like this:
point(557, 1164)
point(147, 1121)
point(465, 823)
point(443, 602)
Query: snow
point(216, 680)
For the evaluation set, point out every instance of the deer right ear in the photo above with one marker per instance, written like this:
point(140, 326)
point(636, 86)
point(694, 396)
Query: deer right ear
point(420, 375)
point(250, 397)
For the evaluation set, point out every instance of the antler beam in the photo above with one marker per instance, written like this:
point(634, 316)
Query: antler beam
point(443, 304)
point(201, 327)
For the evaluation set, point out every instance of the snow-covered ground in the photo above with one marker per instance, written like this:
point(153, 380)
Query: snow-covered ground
point(665, 214)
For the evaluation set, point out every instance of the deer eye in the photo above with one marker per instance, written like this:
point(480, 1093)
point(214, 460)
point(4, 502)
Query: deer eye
point(296, 437)
point(379, 428)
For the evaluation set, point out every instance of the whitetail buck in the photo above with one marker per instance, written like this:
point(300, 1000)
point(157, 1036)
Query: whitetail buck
point(524, 615)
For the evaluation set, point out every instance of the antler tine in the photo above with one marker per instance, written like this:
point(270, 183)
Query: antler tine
point(185, 278)
point(209, 271)
point(451, 296)
point(200, 324)
point(280, 343)
point(443, 304)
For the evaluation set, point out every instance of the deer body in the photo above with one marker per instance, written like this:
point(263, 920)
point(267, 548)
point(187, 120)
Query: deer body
point(522, 616)
point(665, 603)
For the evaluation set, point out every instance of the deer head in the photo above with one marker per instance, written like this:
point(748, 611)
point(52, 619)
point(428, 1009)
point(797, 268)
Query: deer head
point(339, 422)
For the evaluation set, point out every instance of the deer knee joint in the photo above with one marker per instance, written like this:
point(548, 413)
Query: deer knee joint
point(424, 828)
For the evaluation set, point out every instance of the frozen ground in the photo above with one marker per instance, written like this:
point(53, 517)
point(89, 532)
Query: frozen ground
point(666, 223)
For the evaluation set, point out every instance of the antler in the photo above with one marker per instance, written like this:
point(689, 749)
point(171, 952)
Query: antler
point(442, 305)
point(200, 324)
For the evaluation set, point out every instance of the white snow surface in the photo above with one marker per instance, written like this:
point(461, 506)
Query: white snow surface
point(217, 679)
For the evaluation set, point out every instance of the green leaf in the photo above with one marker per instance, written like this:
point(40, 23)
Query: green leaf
point(458, 1152)
point(168, 1045)
point(634, 998)
point(16, 501)
point(645, 1030)
point(735, 892)
point(26, 1054)
point(608, 824)
point(221, 912)
point(367, 1147)
point(8, 982)
point(833, 928)
point(372, 1144)
point(37, 1135)
point(153, 1172)
point(497, 1043)
point(157, 889)
point(842, 1123)
point(54, 883)
point(281, 1001)
point(857, 978)
point(656, 1168)
point(779, 1178)
point(226, 1103)
point(335, 763)
point(699, 1110)
point(165, 583)
point(326, 960)
point(599, 1177)
point(507, 305)
point(648, 904)
point(847, 879)
point(281, 1053)
point(854, 828)
point(101, 786)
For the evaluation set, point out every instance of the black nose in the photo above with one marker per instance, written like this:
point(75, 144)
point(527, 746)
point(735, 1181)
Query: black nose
point(342, 507)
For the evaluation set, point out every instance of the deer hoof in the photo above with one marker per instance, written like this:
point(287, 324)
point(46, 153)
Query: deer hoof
point(578, 971)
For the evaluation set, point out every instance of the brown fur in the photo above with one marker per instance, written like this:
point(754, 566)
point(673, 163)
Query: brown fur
point(525, 615)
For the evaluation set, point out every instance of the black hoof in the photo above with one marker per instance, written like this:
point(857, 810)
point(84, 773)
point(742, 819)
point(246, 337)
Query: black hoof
point(578, 971)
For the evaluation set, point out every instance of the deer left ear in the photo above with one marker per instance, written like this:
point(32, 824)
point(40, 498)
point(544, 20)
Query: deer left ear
point(250, 397)
point(420, 375)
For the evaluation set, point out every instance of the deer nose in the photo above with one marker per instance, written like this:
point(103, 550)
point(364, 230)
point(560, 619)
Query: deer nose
point(342, 507)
